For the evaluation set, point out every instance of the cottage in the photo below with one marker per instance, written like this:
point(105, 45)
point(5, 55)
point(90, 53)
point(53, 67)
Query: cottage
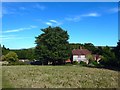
point(80, 55)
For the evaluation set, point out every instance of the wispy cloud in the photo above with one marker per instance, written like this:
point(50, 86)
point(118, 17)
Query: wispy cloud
point(91, 15)
point(33, 26)
point(41, 7)
point(74, 19)
point(12, 11)
point(53, 23)
point(19, 29)
point(7, 37)
point(114, 10)
point(48, 23)
point(22, 8)
point(16, 30)
point(12, 37)
point(77, 18)
point(8, 10)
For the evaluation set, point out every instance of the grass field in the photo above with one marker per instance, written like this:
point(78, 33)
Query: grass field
point(58, 77)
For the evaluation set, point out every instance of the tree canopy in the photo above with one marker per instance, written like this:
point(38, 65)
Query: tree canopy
point(117, 53)
point(11, 57)
point(52, 45)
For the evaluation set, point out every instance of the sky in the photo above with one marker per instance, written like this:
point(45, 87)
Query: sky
point(85, 22)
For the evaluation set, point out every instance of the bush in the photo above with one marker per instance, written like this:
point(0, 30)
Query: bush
point(83, 63)
point(68, 64)
point(94, 64)
point(11, 57)
point(17, 63)
point(75, 62)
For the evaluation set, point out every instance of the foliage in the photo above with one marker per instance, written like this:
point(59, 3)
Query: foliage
point(18, 63)
point(75, 46)
point(68, 64)
point(94, 64)
point(52, 45)
point(90, 58)
point(99, 50)
point(25, 53)
point(90, 47)
point(11, 57)
point(117, 53)
point(5, 50)
point(30, 54)
point(109, 58)
point(83, 63)
point(75, 62)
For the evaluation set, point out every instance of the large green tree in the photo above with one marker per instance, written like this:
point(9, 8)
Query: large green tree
point(52, 45)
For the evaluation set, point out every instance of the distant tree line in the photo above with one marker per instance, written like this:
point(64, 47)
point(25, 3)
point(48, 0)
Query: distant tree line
point(53, 46)
point(22, 53)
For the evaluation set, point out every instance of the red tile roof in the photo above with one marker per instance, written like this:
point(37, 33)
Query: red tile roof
point(81, 52)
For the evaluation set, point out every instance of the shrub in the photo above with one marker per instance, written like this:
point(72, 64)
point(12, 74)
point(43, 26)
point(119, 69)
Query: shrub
point(94, 64)
point(17, 63)
point(11, 57)
point(83, 63)
point(68, 64)
point(75, 62)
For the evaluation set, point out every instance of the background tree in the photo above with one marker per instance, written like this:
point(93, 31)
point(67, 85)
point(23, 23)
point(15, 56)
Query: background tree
point(11, 57)
point(75, 45)
point(25, 53)
point(99, 50)
point(53, 45)
point(30, 54)
point(5, 50)
point(90, 58)
point(117, 53)
point(90, 47)
point(109, 57)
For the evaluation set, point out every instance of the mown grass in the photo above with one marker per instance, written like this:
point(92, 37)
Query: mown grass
point(59, 77)
point(0, 76)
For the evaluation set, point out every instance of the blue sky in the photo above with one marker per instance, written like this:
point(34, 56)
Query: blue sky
point(86, 22)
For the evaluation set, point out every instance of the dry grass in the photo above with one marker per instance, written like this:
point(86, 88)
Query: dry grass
point(59, 77)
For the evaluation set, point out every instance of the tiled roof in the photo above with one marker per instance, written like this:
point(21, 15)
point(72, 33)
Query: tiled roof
point(81, 52)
